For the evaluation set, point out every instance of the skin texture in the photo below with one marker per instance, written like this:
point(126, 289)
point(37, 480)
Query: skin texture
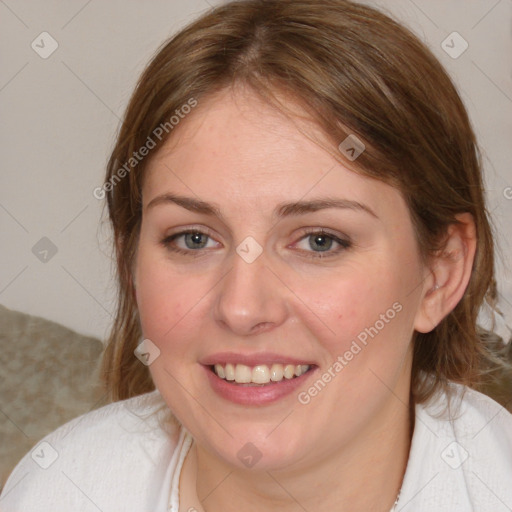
point(347, 448)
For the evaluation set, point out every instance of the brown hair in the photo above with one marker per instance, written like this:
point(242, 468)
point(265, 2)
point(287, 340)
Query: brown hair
point(355, 71)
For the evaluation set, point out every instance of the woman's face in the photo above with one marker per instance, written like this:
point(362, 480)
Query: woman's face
point(259, 252)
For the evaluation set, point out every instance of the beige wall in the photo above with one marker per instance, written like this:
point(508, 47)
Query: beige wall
point(59, 116)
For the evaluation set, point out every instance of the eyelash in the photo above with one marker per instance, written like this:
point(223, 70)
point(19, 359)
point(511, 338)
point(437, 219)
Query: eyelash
point(344, 244)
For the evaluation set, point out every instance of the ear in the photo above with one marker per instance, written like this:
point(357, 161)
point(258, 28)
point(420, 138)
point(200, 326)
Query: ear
point(449, 274)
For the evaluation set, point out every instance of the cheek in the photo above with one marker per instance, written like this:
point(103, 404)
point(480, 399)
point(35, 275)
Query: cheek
point(367, 307)
point(364, 301)
point(345, 304)
point(167, 300)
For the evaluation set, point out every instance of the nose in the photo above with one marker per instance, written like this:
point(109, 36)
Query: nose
point(250, 298)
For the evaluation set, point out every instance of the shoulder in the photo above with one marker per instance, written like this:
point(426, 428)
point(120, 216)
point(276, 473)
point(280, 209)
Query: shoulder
point(470, 415)
point(483, 428)
point(461, 454)
point(111, 457)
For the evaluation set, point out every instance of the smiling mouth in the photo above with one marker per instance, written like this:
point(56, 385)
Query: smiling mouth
point(259, 375)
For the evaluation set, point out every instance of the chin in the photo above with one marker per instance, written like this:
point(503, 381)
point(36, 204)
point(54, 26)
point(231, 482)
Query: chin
point(253, 448)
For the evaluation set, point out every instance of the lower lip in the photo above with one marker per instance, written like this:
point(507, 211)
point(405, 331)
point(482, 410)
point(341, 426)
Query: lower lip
point(255, 395)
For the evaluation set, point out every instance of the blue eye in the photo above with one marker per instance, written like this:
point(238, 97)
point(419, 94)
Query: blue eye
point(315, 244)
point(319, 244)
point(193, 241)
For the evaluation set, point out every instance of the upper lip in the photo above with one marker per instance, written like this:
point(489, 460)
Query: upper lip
point(251, 359)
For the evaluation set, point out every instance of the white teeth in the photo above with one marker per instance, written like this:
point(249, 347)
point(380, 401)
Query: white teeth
point(300, 369)
point(260, 374)
point(219, 370)
point(276, 372)
point(289, 371)
point(243, 374)
point(229, 370)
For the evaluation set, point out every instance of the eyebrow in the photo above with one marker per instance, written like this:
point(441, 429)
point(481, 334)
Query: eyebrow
point(282, 210)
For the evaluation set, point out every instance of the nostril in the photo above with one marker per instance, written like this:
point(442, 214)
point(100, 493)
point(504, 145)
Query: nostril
point(261, 326)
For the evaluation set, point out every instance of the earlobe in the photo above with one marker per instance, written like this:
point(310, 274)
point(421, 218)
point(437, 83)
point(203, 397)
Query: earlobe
point(449, 274)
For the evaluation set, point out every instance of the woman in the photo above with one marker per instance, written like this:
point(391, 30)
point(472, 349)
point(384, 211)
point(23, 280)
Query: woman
point(303, 247)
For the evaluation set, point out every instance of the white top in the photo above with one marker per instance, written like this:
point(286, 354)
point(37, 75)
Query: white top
point(127, 457)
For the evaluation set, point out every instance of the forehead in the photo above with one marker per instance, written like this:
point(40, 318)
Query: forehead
point(236, 148)
point(238, 126)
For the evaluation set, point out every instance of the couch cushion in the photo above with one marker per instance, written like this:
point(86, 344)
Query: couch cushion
point(49, 374)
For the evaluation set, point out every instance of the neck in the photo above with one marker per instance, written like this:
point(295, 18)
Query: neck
point(364, 474)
